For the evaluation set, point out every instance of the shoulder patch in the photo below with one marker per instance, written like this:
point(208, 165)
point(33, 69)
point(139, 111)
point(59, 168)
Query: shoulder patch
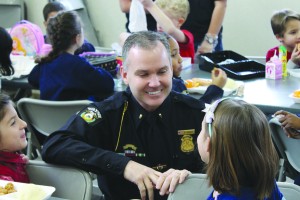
point(90, 115)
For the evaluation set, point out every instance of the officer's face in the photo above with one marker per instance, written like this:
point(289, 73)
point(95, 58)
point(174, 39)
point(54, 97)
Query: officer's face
point(149, 75)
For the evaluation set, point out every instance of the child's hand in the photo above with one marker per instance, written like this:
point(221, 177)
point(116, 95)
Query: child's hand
point(288, 120)
point(292, 133)
point(295, 57)
point(219, 77)
point(24, 158)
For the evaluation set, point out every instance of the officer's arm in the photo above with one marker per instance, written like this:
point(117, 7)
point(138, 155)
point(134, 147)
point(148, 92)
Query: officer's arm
point(81, 145)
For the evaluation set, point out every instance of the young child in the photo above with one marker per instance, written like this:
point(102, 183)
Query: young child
point(12, 141)
point(50, 10)
point(286, 28)
point(219, 77)
point(61, 75)
point(235, 143)
point(6, 68)
point(170, 15)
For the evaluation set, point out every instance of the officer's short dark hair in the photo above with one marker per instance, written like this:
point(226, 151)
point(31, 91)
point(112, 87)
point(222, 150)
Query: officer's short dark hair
point(52, 7)
point(145, 40)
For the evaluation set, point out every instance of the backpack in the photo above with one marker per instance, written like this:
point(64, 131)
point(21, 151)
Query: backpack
point(28, 39)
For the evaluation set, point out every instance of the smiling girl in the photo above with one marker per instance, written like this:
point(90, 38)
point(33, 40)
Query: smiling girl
point(12, 141)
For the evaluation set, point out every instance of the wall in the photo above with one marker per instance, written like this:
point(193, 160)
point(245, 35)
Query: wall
point(34, 11)
point(247, 28)
point(108, 20)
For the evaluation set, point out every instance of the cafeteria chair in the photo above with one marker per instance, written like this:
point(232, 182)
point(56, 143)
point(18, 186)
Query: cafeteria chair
point(289, 190)
point(194, 187)
point(44, 117)
point(288, 149)
point(69, 182)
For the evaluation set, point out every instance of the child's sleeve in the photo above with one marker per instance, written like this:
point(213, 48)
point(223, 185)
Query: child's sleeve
point(6, 178)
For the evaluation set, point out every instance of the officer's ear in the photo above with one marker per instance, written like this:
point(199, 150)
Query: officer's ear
point(123, 73)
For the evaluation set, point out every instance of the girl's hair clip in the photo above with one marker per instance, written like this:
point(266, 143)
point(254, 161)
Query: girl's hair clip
point(209, 110)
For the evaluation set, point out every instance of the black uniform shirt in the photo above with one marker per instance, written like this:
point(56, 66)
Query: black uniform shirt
point(104, 136)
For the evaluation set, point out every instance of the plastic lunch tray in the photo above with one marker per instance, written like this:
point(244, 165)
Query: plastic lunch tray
point(241, 68)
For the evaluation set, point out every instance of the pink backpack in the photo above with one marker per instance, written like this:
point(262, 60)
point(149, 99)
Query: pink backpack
point(28, 39)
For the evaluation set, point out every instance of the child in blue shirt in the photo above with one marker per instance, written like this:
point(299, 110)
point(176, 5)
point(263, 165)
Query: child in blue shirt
point(235, 142)
point(61, 75)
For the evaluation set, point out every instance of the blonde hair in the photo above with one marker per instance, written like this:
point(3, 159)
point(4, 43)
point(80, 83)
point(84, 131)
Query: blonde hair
point(176, 8)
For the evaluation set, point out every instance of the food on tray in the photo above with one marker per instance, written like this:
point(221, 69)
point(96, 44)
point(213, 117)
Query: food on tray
point(7, 189)
point(296, 93)
point(196, 82)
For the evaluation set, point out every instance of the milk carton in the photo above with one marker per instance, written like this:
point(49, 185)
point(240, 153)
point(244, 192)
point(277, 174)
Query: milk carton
point(274, 68)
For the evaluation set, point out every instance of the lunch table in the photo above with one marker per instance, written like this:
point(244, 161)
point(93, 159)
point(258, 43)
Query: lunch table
point(267, 94)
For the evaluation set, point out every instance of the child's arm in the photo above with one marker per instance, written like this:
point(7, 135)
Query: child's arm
point(288, 120)
point(219, 77)
point(164, 21)
point(125, 5)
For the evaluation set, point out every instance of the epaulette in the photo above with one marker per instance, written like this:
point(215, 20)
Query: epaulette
point(113, 102)
point(188, 100)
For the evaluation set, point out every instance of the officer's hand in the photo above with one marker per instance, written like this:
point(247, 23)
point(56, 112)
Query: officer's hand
point(144, 177)
point(219, 77)
point(168, 181)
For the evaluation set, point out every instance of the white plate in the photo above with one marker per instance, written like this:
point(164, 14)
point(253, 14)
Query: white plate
point(296, 100)
point(46, 191)
point(230, 87)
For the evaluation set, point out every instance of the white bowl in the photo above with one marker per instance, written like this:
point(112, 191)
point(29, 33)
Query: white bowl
point(296, 99)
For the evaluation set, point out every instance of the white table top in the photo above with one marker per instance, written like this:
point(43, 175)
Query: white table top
point(267, 94)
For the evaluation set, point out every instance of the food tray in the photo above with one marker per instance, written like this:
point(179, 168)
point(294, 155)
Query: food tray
point(237, 67)
point(46, 191)
point(230, 87)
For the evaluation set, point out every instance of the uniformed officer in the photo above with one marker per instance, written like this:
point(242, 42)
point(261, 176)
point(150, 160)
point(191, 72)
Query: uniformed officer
point(135, 139)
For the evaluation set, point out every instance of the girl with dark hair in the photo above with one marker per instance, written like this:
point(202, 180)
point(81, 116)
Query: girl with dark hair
point(12, 141)
point(61, 75)
point(6, 45)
